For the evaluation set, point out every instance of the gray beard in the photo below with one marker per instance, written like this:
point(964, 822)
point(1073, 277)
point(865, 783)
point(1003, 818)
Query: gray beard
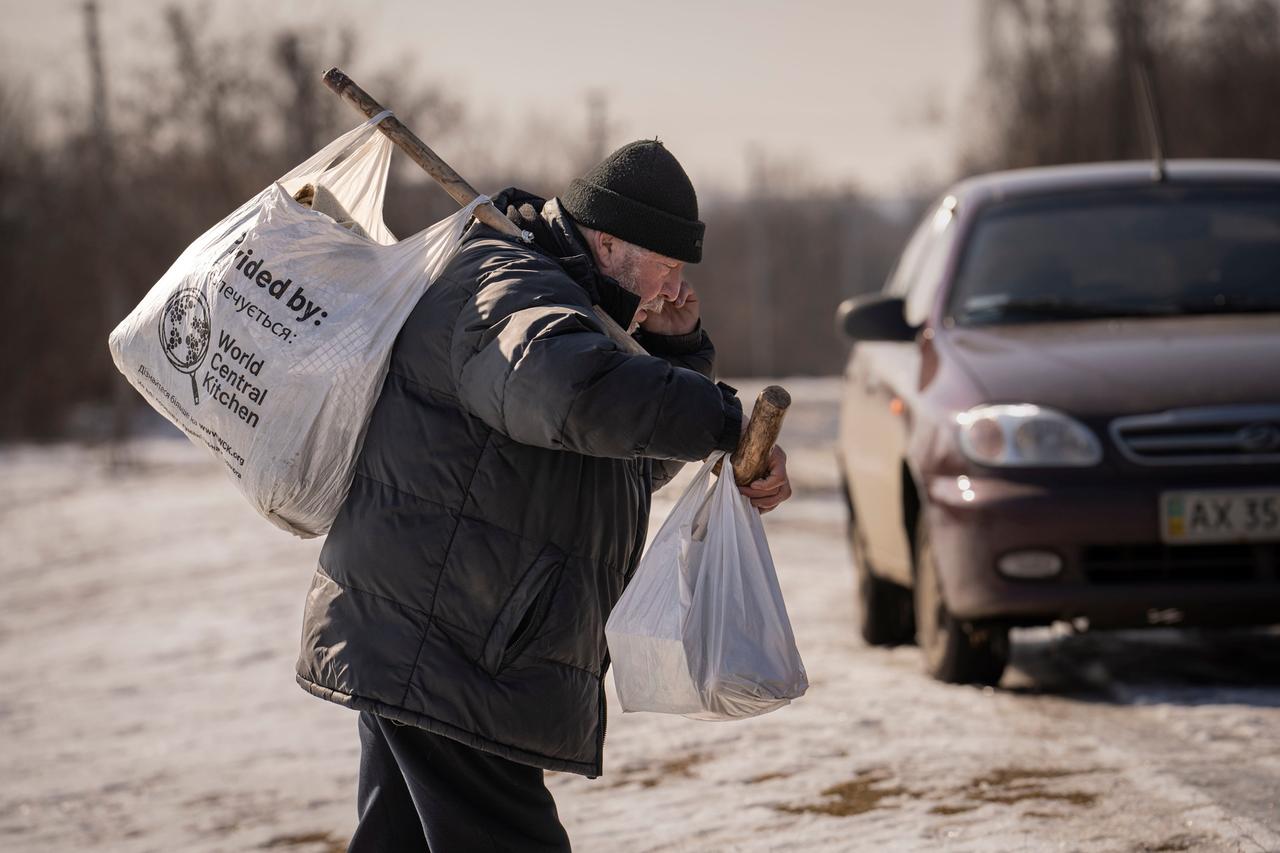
point(626, 277)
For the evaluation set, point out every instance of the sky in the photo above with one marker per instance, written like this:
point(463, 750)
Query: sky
point(867, 93)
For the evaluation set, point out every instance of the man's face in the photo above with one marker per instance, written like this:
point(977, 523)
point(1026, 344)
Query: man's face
point(654, 278)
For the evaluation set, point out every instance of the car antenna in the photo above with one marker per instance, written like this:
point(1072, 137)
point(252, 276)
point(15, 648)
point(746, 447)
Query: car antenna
point(1147, 95)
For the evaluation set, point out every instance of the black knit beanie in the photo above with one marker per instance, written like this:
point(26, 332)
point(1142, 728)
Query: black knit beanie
point(640, 194)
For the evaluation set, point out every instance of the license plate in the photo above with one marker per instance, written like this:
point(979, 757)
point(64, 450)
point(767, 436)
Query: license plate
point(1188, 518)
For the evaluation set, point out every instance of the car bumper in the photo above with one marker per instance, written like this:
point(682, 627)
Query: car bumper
point(1115, 571)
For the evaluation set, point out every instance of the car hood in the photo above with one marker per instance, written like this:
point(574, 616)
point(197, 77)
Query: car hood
point(1129, 366)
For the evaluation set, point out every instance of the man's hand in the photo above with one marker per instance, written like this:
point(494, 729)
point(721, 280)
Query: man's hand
point(678, 316)
point(774, 488)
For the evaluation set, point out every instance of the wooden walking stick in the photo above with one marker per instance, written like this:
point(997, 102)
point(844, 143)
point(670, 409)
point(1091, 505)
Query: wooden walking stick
point(750, 460)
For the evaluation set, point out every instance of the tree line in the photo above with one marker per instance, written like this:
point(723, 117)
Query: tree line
point(92, 216)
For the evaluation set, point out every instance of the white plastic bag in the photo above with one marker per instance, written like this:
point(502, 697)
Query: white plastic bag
point(268, 340)
point(702, 629)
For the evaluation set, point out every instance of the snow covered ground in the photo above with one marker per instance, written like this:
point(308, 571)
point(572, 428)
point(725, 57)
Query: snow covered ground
point(149, 623)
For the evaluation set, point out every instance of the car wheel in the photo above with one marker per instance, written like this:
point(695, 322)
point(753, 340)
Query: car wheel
point(885, 614)
point(954, 651)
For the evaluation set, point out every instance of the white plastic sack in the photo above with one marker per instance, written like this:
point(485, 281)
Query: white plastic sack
point(702, 629)
point(268, 340)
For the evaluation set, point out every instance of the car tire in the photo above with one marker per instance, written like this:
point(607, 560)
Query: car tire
point(954, 651)
point(886, 616)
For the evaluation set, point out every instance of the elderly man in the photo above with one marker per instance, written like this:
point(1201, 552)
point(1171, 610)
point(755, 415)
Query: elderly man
point(501, 502)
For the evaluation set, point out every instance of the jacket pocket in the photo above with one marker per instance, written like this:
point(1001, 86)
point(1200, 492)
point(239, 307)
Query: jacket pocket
point(525, 610)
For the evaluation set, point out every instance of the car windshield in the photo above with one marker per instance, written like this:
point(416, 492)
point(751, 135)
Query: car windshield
point(1144, 251)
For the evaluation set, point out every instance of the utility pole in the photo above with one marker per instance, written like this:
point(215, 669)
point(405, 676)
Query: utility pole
point(97, 86)
point(853, 259)
point(760, 276)
point(106, 186)
point(597, 127)
point(1131, 29)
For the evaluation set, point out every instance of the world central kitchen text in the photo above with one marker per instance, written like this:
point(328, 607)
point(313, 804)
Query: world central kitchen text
point(232, 372)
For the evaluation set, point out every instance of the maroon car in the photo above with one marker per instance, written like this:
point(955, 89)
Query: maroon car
point(1065, 405)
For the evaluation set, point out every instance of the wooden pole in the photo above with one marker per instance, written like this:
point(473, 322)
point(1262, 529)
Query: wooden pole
point(418, 151)
point(453, 183)
point(107, 186)
point(750, 460)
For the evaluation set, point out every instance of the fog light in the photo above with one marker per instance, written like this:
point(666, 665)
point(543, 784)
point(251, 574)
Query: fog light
point(1030, 564)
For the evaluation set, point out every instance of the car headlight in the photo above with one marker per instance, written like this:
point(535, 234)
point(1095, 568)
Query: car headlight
point(1025, 435)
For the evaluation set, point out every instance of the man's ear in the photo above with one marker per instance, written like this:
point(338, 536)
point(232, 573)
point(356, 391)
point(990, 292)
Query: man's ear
point(604, 248)
point(605, 245)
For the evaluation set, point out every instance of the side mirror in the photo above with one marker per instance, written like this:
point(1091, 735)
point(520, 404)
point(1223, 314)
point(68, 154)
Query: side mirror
point(875, 317)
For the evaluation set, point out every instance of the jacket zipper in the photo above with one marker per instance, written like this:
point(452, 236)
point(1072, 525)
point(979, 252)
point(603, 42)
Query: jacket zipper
point(604, 723)
point(604, 714)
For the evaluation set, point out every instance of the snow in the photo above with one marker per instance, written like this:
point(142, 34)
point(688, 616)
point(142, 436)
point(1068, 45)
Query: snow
point(150, 622)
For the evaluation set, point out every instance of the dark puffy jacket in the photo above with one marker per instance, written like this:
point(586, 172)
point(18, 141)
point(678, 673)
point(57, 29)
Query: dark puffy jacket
point(501, 500)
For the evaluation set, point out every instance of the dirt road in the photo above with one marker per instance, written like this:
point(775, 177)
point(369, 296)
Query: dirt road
point(150, 621)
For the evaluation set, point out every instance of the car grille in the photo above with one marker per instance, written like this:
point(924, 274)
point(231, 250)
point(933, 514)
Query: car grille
point(1143, 564)
point(1231, 434)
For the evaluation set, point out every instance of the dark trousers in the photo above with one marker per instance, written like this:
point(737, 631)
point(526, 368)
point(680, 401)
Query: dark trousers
point(424, 792)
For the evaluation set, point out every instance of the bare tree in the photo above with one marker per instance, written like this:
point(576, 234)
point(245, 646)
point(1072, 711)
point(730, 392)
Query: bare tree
point(91, 219)
point(1059, 81)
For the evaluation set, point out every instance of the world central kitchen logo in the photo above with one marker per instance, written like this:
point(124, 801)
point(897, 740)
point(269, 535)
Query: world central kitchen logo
point(184, 333)
point(186, 337)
